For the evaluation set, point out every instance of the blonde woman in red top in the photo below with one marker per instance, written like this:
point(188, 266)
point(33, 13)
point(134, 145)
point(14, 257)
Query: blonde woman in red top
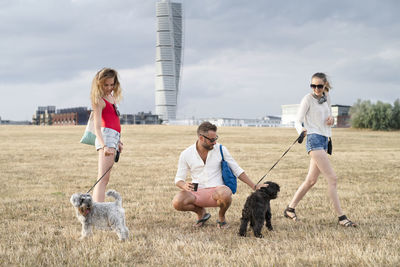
point(105, 94)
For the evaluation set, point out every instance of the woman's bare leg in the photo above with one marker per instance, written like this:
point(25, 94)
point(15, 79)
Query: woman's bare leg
point(324, 165)
point(105, 162)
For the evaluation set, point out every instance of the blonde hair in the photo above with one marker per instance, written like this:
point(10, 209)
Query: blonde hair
point(324, 78)
point(97, 92)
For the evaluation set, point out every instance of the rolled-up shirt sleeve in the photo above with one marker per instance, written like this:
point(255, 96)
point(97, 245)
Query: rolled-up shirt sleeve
point(237, 171)
point(183, 168)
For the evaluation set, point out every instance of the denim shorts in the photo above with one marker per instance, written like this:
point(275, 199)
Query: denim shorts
point(316, 142)
point(111, 138)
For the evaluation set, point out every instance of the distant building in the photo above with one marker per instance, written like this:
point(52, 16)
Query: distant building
point(71, 116)
point(10, 122)
point(169, 46)
point(80, 116)
point(48, 115)
point(268, 121)
point(339, 112)
point(140, 118)
point(43, 115)
point(272, 121)
point(289, 114)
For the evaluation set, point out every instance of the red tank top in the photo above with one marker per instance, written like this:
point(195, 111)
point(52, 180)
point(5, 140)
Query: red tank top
point(109, 117)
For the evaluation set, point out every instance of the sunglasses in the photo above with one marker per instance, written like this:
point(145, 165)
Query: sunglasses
point(319, 86)
point(116, 110)
point(212, 140)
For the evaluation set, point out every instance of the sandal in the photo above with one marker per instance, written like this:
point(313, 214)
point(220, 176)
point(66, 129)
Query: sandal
point(348, 223)
point(202, 221)
point(222, 225)
point(291, 210)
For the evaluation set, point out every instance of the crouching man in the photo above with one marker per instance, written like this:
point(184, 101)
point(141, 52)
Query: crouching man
point(203, 161)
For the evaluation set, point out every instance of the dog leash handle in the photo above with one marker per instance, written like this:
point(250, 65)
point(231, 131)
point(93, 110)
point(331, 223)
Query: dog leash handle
point(299, 139)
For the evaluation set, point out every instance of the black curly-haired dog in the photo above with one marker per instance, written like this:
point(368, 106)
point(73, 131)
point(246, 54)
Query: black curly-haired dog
point(257, 209)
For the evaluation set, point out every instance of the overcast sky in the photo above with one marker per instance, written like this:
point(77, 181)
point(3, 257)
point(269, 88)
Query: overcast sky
point(242, 59)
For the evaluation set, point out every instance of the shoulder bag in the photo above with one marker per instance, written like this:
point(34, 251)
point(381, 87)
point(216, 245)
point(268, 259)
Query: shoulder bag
point(227, 175)
point(89, 137)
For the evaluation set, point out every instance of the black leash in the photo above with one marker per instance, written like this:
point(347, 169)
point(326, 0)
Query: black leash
point(299, 139)
point(115, 160)
point(99, 179)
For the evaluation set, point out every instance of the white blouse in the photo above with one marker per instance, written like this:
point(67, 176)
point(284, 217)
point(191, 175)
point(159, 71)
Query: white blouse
point(313, 115)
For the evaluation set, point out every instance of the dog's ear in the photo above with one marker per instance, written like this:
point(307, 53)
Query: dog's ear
point(75, 200)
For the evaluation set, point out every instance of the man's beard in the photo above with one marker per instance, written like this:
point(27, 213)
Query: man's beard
point(208, 147)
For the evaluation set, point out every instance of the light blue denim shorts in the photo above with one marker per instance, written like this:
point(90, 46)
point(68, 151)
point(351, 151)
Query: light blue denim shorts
point(316, 142)
point(111, 138)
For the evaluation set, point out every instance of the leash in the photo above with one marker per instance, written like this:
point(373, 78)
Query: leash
point(99, 179)
point(299, 139)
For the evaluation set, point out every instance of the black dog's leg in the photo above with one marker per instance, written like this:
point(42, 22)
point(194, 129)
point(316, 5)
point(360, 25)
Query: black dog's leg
point(258, 223)
point(243, 226)
point(268, 217)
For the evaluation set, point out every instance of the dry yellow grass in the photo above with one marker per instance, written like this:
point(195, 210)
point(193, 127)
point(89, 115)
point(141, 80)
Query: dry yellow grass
point(42, 166)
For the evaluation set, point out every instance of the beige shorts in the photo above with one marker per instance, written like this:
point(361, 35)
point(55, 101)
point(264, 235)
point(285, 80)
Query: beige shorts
point(204, 197)
point(111, 138)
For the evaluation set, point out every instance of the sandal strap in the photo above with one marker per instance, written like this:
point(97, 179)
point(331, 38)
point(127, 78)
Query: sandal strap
point(349, 223)
point(290, 209)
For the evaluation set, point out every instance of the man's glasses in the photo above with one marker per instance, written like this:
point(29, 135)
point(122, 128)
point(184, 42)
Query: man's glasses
point(116, 109)
point(319, 86)
point(212, 140)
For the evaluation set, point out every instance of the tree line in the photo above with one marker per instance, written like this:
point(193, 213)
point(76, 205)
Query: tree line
point(379, 116)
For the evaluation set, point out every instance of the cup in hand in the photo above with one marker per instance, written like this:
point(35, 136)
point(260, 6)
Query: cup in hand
point(195, 186)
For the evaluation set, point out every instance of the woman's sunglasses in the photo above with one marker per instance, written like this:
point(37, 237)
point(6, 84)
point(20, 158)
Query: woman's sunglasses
point(319, 86)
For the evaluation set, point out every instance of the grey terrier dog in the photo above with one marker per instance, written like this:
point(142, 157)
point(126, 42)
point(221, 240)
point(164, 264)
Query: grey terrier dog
point(101, 215)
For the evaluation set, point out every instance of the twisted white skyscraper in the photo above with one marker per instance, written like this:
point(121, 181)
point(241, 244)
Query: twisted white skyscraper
point(168, 57)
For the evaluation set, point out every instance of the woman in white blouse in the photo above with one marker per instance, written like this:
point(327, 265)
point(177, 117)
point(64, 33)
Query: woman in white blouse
point(314, 117)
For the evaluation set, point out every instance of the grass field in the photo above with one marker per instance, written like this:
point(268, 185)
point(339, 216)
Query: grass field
point(41, 167)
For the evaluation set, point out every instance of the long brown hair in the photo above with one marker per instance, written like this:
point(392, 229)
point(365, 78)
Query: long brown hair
point(97, 92)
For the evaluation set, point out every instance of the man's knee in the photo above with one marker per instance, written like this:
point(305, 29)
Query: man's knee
point(224, 194)
point(180, 200)
point(177, 202)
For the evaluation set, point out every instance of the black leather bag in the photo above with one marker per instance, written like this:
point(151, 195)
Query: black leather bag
point(329, 146)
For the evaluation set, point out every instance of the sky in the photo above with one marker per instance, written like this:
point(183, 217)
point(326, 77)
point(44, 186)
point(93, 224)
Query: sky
point(242, 59)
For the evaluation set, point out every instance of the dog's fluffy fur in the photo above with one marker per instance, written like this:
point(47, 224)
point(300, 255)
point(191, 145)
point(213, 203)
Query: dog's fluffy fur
point(257, 209)
point(101, 215)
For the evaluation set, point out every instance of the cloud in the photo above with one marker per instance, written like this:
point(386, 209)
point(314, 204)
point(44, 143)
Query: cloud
point(241, 58)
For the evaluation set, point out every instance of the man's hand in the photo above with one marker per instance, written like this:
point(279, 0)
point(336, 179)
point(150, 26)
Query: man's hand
point(261, 185)
point(185, 186)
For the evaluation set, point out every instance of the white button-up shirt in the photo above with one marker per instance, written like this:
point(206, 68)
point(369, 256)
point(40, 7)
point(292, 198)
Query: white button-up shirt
point(207, 174)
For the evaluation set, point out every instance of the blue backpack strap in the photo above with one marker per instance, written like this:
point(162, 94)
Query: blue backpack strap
point(222, 154)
